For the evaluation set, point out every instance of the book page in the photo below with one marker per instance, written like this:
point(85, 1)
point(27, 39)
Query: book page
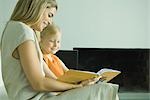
point(108, 74)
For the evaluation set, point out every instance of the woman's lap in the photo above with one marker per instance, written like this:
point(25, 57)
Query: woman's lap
point(100, 91)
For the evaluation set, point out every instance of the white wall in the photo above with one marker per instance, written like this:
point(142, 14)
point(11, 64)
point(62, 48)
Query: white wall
point(97, 23)
point(6, 8)
point(148, 4)
point(103, 23)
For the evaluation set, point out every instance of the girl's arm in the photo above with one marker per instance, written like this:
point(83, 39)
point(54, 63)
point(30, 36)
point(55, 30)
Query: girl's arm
point(31, 66)
point(48, 72)
point(63, 66)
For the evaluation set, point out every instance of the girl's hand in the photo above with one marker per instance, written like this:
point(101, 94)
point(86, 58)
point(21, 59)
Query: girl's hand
point(77, 86)
point(90, 81)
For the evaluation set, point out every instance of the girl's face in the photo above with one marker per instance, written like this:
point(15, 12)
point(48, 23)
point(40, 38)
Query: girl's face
point(51, 43)
point(45, 19)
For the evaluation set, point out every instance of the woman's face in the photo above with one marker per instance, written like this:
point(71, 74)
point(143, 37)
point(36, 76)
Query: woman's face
point(46, 19)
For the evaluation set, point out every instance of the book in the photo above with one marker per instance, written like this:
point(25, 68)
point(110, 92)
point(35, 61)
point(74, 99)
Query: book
point(76, 76)
point(108, 74)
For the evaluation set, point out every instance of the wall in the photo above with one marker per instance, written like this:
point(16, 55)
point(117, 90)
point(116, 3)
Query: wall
point(97, 23)
point(103, 23)
point(148, 4)
point(6, 8)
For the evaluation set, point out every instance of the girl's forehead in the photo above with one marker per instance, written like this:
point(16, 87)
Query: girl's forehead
point(50, 36)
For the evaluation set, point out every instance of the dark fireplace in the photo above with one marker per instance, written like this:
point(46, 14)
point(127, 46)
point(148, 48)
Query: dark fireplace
point(69, 57)
point(133, 63)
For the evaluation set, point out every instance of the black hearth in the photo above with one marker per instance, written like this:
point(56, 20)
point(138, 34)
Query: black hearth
point(133, 63)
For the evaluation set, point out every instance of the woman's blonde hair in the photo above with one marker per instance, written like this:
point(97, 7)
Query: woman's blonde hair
point(51, 29)
point(30, 11)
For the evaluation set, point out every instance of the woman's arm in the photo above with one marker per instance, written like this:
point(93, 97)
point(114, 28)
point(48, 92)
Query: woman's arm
point(31, 66)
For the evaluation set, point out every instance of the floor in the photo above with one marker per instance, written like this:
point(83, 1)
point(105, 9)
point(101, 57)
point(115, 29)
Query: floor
point(134, 96)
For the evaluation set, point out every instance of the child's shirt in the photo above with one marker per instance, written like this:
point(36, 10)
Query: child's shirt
point(54, 64)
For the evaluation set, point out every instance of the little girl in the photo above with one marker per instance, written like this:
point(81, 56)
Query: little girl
point(50, 44)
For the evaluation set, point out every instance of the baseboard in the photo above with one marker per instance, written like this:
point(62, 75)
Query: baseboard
point(134, 96)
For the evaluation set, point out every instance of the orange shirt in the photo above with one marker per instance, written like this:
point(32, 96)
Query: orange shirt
point(54, 64)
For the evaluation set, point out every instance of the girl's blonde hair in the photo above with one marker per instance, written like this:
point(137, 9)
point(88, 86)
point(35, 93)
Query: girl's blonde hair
point(30, 11)
point(51, 29)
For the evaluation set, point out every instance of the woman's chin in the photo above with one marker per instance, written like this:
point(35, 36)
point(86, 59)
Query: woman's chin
point(40, 29)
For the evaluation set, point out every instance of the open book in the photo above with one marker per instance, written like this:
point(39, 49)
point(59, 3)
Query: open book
point(76, 76)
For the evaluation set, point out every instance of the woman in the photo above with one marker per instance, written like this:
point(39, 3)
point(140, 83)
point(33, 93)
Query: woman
point(25, 75)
